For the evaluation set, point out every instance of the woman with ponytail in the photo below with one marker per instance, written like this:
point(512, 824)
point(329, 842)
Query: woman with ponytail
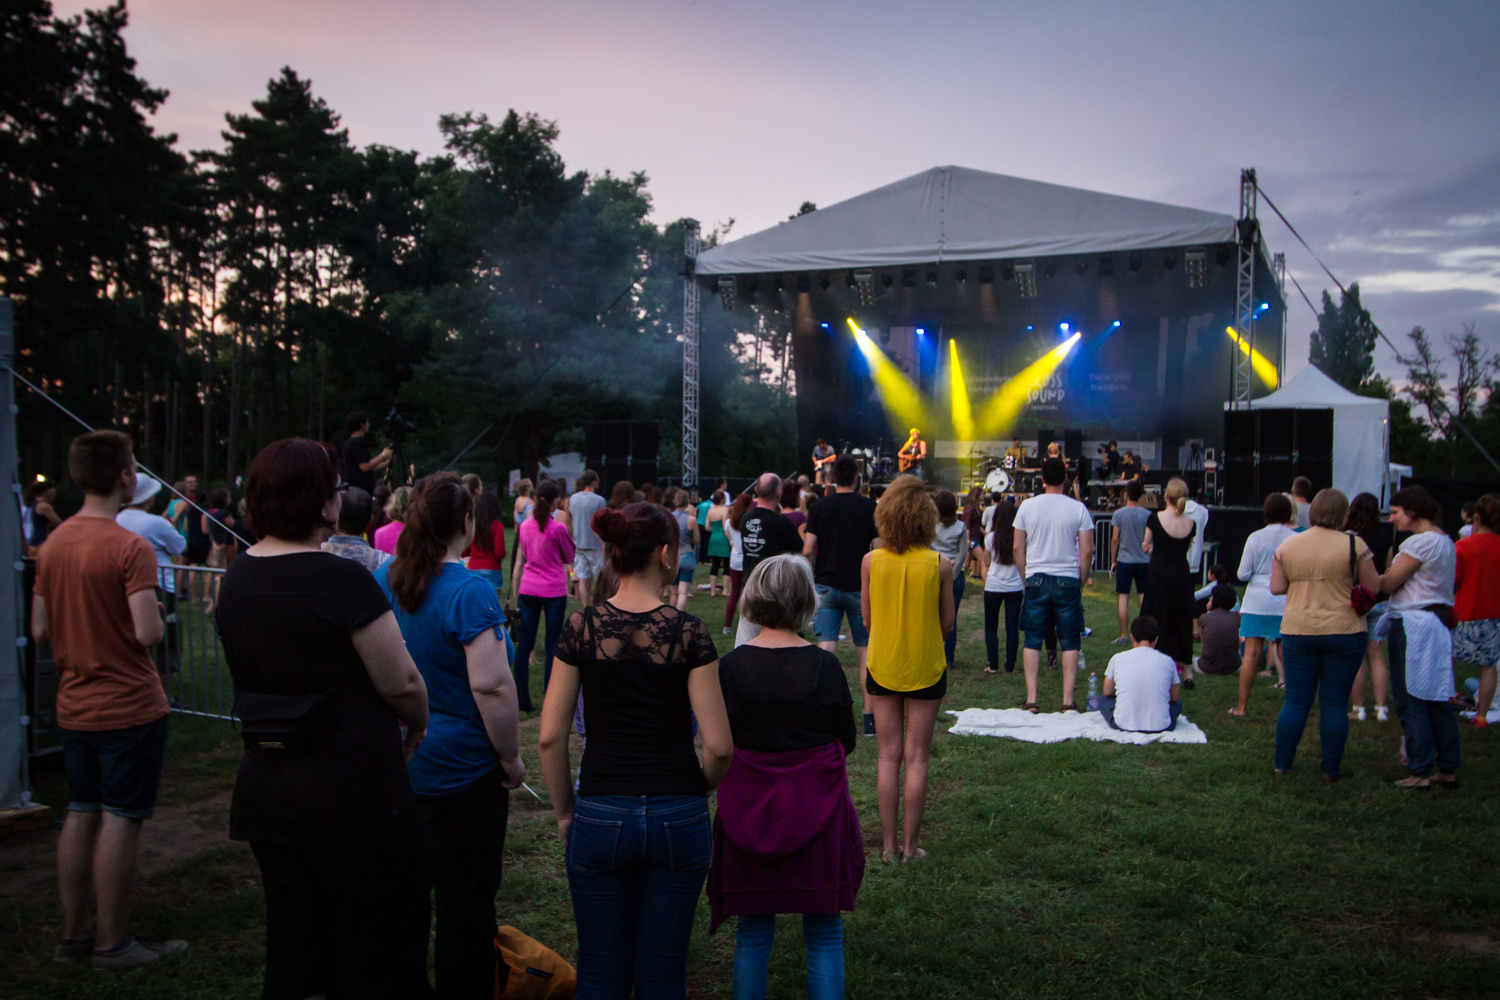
point(1169, 581)
point(463, 771)
point(546, 549)
point(637, 835)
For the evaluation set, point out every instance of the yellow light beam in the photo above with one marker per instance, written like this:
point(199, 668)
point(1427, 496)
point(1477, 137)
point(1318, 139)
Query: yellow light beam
point(1002, 409)
point(899, 396)
point(963, 413)
point(1258, 361)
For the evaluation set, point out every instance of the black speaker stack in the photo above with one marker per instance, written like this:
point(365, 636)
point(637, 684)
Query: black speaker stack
point(621, 450)
point(1264, 450)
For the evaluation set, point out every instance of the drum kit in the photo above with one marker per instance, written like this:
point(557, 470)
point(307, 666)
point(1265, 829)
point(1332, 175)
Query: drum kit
point(874, 466)
point(1004, 475)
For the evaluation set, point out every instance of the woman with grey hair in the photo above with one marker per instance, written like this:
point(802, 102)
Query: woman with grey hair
point(786, 836)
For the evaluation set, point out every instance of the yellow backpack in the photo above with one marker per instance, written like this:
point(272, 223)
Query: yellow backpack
point(529, 970)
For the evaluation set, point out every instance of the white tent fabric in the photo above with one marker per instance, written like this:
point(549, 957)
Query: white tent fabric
point(1360, 442)
point(954, 213)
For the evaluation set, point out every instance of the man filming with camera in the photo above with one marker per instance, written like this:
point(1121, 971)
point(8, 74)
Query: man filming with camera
point(359, 467)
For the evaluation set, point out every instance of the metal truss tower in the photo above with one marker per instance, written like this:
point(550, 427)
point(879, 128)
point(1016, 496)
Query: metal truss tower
point(1278, 266)
point(1248, 232)
point(690, 337)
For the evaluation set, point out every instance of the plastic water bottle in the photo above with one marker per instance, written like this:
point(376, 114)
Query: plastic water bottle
point(1093, 692)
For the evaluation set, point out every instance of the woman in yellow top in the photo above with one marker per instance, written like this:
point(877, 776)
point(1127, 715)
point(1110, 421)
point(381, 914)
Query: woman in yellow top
point(906, 595)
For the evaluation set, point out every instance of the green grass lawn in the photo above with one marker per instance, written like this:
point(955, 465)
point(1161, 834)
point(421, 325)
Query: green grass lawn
point(1075, 869)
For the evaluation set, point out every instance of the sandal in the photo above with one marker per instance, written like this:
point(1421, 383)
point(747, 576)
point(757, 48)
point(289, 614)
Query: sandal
point(1414, 783)
point(889, 856)
point(1069, 707)
point(1238, 713)
point(1030, 706)
point(991, 670)
point(916, 854)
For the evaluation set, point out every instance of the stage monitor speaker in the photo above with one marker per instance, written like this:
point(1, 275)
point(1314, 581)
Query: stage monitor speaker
point(1278, 434)
point(1073, 444)
point(1314, 437)
point(1239, 434)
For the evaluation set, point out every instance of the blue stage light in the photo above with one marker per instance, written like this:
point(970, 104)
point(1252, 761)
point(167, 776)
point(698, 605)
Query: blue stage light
point(921, 332)
point(1117, 323)
point(825, 326)
point(1031, 328)
point(1264, 306)
point(1063, 327)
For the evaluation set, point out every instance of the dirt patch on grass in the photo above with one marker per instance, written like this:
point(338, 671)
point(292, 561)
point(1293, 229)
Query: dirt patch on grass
point(1476, 944)
point(28, 863)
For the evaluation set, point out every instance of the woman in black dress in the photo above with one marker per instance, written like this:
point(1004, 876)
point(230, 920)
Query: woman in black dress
point(1169, 581)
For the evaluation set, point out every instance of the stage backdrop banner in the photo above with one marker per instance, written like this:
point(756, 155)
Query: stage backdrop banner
point(1361, 444)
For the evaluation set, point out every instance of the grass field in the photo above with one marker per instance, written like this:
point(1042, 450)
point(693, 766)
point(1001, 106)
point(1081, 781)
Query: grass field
point(1068, 870)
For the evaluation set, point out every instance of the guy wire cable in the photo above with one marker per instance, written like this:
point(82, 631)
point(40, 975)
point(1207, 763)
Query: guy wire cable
point(139, 465)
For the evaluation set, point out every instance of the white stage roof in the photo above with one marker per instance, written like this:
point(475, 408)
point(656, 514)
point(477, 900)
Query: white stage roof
point(954, 213)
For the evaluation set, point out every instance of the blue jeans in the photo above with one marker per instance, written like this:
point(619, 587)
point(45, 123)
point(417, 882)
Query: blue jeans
point(833, 605)
point(1323, 666)
point(951, 639)
point(992, 602)
point(1431, 727)
point(1107, 712)
point(636, 866)
point(822, 933)
point(532, 609)
point(1053, 602)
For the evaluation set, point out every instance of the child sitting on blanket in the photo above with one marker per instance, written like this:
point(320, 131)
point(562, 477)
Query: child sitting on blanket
point(1142, 693)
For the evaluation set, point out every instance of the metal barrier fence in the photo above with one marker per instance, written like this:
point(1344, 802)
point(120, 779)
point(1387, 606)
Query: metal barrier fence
point(1104, 528)
point(191, 661)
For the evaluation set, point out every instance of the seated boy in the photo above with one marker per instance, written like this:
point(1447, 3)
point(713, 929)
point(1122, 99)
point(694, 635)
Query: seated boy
point(1221, 633)
point(1141, 691)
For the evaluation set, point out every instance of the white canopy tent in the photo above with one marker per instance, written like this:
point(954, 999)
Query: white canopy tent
point(1361, 439)
point(954, 213)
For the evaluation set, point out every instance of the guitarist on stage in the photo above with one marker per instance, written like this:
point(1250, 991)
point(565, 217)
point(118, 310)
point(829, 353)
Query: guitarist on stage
point(909, 458)
point(823, 456)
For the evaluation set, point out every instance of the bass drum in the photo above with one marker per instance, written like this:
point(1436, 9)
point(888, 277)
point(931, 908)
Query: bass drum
point(998, 481)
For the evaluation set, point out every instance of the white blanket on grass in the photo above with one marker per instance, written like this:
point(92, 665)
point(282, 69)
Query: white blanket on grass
point(1054, 727)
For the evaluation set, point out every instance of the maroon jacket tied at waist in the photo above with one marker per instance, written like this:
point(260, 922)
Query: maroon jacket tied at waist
point(786, 836)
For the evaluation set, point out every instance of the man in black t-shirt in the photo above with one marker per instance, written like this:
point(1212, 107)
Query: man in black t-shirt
point(765, 532)
point(840, 530)
point(358, 465)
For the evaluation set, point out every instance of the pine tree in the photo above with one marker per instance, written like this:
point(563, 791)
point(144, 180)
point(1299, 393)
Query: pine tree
point(1343, 345)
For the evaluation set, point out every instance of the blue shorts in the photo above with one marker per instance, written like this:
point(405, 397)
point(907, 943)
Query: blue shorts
point(494, 577)
point(115, 770)
point(1053, 601)
point(1126, 572)
point(687, 565)
point(833, 605)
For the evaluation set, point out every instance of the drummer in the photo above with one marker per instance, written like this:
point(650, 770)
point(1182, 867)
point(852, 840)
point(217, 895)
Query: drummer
point(1015, 455)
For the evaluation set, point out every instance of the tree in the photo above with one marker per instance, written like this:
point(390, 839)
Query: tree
point(1343, 345)
point(1450, 419)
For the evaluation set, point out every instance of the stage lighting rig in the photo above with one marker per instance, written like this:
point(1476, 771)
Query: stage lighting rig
point(804, 283)
point(1026, 279)
point(726, 291)
point(1049, 269)
point(1197, 267)
point(1106, 265)
point(864, 285)
point(909, 278)
point(1169, 262)
point(986, 274)
point(932, 276)
point(1081, 267)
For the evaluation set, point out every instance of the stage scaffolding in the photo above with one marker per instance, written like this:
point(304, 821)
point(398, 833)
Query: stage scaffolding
point(690, 341)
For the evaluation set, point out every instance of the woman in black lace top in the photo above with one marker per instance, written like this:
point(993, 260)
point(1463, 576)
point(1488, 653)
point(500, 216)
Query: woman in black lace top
point(638, 835)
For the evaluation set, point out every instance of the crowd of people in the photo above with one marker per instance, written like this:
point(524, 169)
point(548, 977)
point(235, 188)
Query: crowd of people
point(380, 693)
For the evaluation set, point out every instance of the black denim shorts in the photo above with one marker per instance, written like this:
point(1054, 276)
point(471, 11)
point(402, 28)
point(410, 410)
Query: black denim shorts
point(115, 770)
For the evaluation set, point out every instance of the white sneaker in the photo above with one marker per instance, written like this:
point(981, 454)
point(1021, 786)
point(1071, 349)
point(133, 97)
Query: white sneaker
point(1380, 714)
point(726, 629)
point(137, 953)
point(1359, 713)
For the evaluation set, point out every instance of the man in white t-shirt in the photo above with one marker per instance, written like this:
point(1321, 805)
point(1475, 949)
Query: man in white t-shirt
point(1142, 693)
point(1054, 553)
point(1302, 495)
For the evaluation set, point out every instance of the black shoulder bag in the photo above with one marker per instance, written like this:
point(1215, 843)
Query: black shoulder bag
point(285, 725)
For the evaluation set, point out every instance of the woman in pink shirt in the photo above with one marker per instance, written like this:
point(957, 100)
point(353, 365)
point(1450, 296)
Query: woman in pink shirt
point(545, 548)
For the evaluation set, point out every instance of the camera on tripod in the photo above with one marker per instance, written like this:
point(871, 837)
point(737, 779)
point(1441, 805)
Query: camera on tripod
point(396, 427)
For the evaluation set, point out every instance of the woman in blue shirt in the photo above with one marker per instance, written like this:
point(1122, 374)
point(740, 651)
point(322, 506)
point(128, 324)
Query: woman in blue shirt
point(464, 769)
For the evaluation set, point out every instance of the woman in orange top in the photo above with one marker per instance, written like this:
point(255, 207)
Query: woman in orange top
point(1476, 601)
point(906, 596)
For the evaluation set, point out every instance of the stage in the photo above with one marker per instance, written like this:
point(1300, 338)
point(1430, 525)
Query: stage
point(981, 307)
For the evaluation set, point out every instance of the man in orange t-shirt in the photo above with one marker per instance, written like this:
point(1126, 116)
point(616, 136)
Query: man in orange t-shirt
point(95, 603)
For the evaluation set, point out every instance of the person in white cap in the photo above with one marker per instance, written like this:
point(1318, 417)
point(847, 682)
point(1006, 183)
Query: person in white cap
point(166, 542)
